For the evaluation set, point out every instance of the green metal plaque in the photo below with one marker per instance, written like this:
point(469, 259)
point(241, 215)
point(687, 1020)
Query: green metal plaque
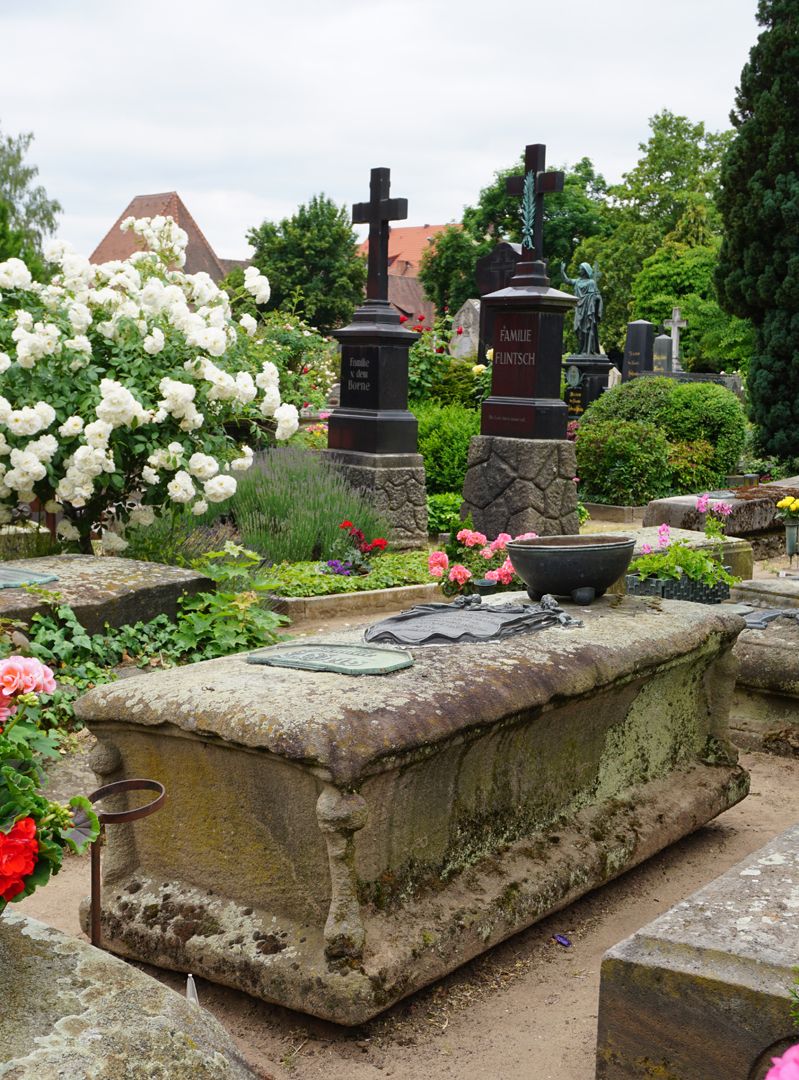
point(342, 659)
point(14, 579)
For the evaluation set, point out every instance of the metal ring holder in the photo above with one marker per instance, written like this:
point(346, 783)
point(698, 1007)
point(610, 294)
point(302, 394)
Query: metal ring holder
point(116, 818)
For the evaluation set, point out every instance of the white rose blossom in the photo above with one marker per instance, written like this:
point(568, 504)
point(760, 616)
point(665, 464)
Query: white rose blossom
point(219, 488)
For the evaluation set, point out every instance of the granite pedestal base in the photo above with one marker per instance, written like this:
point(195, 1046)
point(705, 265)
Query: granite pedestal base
point(765, 709)
point(334, 843)
point(704, 990)
point(395, 485)
point(521, 485)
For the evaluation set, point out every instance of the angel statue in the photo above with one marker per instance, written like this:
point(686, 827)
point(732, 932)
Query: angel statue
point(588, 313)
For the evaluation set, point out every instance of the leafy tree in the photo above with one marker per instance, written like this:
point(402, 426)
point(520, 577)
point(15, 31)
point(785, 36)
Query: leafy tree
point(669, 194)
point(679, 274)
point(569, 216)
point(447, 270)
point(758, 272)
point(312, 262)
point(30, 212)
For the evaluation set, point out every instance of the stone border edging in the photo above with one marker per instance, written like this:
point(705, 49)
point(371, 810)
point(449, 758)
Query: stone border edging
point(303, 608)
point(610, 512)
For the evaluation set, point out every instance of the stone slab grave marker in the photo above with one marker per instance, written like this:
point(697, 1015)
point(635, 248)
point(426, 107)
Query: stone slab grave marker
point(638, 348)
point(662, 355)
point(514, 483)
point(14, 578)
point(344, 659)
point(326, 845)
point(466, 344)
point(372, 436)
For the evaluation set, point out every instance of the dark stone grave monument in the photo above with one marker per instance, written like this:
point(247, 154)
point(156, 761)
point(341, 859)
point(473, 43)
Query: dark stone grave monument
point(520, 469)
point(638, 349)
point(494, 272)
point(371, 434)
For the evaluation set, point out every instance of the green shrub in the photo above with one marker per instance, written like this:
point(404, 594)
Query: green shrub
point(442, 511)
point(178, 537)
point(691, 465)
point(712, 412)
point(684, 412)
point(622, 462)
point(444, 435)
point(289, 505)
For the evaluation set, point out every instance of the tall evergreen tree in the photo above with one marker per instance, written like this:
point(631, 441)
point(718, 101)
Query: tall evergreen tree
point(758, 272)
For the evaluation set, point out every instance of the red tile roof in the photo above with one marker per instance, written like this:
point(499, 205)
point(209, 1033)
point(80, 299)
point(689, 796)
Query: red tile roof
point(405, 247)
point(199, 253)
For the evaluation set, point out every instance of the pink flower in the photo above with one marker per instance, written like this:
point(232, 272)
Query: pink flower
point(575, 479)
point(526, 536)
point(723, 508)
point(460, 574)
point(492, 575)
point(437, 561)
point(487, 552)
point(664, 535)
point(506, 572)
point(646, 549)
point(25, 675)
point(472, 539)
point(500, 542)
point(702, 503)
point(323, 415)
point(785, 1067)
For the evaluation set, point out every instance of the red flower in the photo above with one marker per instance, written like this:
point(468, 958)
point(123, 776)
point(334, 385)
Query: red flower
point(305, 370)
point(345, 525)
point(403, 318)
point(459, 330)
point(420, 318)
point(19, 850)
point(418, 329)
point(440, 349)
point(380, 543)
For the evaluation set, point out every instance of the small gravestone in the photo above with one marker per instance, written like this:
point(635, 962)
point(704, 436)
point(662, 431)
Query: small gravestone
point(662, 355)
point(516, 478)
point(494, 272)
point(675, 324)
point(465, 340)
point(341, 659)
point(371, 434)
point(638, 349)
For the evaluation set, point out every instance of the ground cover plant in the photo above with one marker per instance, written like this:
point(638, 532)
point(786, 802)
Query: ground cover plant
point(677, 559)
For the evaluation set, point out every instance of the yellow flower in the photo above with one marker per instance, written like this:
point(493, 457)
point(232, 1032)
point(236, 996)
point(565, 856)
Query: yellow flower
point(784, 502)
point(795, 505)
point(478, 369)
point(490, 354)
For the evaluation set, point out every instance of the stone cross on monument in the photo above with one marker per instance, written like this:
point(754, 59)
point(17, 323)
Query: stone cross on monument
point(377, 213)
point(533, 186)
point(675, 324)
point(371, 437)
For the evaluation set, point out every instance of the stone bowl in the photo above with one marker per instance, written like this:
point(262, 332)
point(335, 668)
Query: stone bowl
point(580, 567)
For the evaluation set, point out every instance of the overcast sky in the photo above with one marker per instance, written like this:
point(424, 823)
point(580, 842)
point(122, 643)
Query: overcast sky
point(248, 109)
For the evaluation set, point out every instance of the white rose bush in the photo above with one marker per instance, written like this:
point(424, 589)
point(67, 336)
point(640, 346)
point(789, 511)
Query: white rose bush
point(119, 383)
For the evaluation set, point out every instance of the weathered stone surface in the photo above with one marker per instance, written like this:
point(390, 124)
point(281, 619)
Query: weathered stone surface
point(74, 1012)
point(495, 783)
point(464, 346)
point(780, 592)
point(105, 589)
point(754, 519)
point(395, 485)
point(764, 714)
point(703, 991)
point(521, 485)
point(737, 552)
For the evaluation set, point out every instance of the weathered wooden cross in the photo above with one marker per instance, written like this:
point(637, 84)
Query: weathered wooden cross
point(377, 213)
point(674, 325)
point(543, 183)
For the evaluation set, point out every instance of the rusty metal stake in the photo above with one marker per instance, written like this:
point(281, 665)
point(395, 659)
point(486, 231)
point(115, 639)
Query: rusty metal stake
point(116, 818)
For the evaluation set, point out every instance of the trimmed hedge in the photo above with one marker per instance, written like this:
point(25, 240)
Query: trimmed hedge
point(622, 462)
point(444, 435)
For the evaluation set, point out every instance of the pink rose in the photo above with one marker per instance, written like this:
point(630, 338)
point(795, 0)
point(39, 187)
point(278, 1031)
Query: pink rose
point(460, 574)
point(785, 1067)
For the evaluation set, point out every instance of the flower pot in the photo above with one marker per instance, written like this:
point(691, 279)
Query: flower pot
point(485, 587)
point(791, 538)
point(678, 589)
point(581, 567)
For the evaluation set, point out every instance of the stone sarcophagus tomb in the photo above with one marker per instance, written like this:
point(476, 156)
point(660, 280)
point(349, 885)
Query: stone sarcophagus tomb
point(334, 843)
